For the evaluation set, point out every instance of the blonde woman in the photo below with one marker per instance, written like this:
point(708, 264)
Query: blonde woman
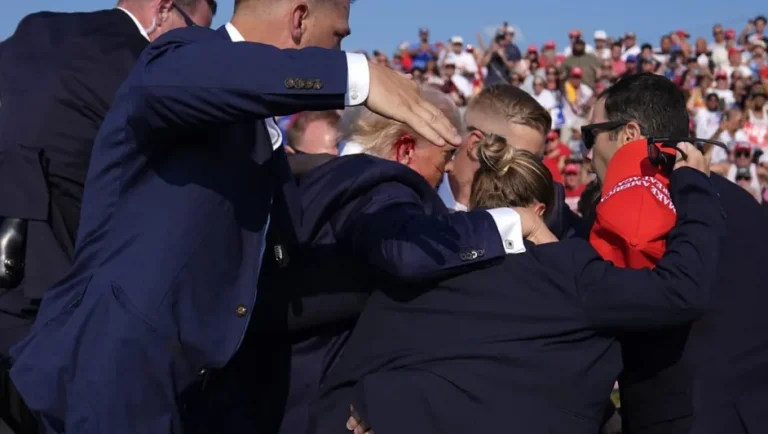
point(525, 344)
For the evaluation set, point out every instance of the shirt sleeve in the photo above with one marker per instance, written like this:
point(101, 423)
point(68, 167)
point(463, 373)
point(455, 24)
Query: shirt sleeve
point(358, 79)
point(510, 229)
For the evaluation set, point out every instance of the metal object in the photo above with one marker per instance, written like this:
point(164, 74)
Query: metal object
point(13, 244)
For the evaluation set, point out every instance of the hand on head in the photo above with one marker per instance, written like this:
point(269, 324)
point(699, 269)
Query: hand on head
point(395, 96)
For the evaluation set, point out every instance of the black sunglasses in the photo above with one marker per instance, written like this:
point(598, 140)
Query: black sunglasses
point(590, 132)
point(184, 15)
point(666, 161)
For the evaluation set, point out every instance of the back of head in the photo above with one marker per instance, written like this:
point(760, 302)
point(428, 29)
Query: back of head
point(511, 103)
point(377, 134)
point(509, 177)
point(653, 101)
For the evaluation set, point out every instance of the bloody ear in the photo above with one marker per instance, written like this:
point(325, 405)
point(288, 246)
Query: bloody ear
point(404, 147)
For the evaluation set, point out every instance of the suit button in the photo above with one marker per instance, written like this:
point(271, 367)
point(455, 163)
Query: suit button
point(480, 253)
point(463, 256)
point(299, 83)
point(241, 311)
point(309, 84)
point(318, 84)
point(289, 83)
point(474, 254)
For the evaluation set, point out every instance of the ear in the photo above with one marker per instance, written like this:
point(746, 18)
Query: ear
point(164, 10)
point(632, 132)
point(404, 148)
point(299, 15)
point(539, 208)
point(471, 142)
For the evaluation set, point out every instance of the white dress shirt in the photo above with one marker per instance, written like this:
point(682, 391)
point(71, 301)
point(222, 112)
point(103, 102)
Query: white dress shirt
point(358, 86)
point(446, 194)
point(136, 21)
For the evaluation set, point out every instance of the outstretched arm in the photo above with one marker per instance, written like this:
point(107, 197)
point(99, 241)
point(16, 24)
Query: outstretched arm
point(677, 290)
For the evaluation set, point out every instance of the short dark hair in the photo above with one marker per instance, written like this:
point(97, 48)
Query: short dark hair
point(651, 100)
point(191, 5)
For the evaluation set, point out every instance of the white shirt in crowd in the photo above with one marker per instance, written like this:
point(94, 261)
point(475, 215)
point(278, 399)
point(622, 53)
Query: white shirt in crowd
point(632, 51)
point(753, 182)
point(719, 54)
point(707, 122)
point(725, 95)
point(546, 99)
point(464, 61)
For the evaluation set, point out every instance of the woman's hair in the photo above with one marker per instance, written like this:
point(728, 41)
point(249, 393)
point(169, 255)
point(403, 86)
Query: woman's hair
point(509, 177)
point(377, 134)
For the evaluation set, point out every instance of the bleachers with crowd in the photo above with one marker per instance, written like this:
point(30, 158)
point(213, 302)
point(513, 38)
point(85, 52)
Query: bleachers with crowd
point(724, 76)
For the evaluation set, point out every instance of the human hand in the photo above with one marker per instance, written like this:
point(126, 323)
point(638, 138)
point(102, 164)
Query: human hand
point(533, 227)
point(693, 158)
point(394, 96)
point(355, 424)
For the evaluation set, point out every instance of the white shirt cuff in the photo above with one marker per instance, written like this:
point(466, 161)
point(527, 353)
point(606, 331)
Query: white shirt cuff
point(510, 229)
point(358, 79)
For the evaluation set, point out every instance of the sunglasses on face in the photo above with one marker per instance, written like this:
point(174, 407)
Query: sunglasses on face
point(742, 154)
point(589, 132)
point(666, 161)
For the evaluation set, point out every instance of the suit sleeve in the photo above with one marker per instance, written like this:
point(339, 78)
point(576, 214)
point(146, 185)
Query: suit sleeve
point(678, 289)
point(393, 232)
point(193, 78)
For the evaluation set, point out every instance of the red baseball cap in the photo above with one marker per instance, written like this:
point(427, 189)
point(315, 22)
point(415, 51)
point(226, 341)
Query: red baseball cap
point(721, 74)
point(730, 34)
point(552, 135)
point(577, 72)
point(549, 44)
point(682, 33)
point(533, 49)
point(571, 168)
point(574, 33)
point(733, 50)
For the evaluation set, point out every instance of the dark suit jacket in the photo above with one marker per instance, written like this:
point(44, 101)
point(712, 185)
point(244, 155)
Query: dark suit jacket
point(365, 220)
point(712, 377)
point(182, 183)
point(525, 344)
point(59, 73)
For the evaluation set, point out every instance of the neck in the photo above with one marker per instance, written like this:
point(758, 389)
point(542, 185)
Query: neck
point(461, 190)
point(262, 30)
point(142, 15)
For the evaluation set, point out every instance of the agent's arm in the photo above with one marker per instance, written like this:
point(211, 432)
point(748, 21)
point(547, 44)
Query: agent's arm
point(678, 289)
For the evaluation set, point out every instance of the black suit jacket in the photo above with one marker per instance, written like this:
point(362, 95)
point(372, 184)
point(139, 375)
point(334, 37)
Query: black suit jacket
point(59, 73)
point(711, 377)
point(525, 345)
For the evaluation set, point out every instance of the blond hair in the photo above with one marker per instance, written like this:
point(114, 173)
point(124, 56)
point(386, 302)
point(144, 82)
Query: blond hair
point(509, 177)
point(377, 134)
point(511, 103)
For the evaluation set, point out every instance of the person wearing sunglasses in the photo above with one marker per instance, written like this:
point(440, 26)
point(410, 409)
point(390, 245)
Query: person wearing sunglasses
point(706, 377)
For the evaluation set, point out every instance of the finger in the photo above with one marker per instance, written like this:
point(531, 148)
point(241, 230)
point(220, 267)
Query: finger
point(351, 424)
point(441, 122)
point(428, 124)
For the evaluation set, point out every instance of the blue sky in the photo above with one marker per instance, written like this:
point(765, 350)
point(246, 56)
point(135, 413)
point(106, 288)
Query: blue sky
point(383, 24)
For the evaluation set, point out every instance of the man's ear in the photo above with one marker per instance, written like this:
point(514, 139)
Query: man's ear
point(404, 148)
point(472, 140)
point(632, 132)
point(164, 11)
point(299, 15)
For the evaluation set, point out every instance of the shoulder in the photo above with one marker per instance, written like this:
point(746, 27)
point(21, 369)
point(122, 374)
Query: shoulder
point(181, 37)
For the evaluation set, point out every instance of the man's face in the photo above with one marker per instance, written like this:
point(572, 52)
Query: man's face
point(571, 179)
point(615, 52)
point(713, 103)
point(579, 48)
point(431, 161)
point(666, 44)
point(424, 37)
point(629, 41)
point(457, 48)
point(327, 25)
point(718, 33)
point(319, 138)
point(604, 147)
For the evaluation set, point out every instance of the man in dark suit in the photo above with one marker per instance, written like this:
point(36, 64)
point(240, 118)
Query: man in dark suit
point(528, 342)
point(711, 377)
point(186, 175)
point(59, 73)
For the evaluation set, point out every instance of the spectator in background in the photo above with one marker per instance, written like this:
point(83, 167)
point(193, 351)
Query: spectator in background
point(542, 95)
point(754, 31)
point(455, 85)
point(502, 57)
point(708, 118)
point(736, 64)
point(722, 90)
point(573, 186)
point(573, 36)
point(602, 50)
point(618, 65)
point(629, 46)
point(663, 53)
point(555, 155)
point(314, 133)
point(586, 62)
point(730, 132)
point(548, 54)
point(577, 95)
point(423, 52)
point(718, 49)
point(743, 171)
point(757, 118)
point(465, 62)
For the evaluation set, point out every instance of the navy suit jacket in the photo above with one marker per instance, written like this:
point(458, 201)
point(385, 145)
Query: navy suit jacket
point(710, 377)
point(59, 73)
point(172, 232)
point(527, 343)
point(365, 220)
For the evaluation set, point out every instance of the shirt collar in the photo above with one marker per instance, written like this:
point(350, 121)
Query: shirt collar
point(136, 21)
point(446, 194)
point(234, 34)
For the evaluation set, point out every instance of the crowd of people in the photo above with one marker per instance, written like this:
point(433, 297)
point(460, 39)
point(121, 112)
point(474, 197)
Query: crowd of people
point(725, 80)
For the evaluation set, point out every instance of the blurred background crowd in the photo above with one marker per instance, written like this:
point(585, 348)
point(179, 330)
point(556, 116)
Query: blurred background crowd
point(724, 75)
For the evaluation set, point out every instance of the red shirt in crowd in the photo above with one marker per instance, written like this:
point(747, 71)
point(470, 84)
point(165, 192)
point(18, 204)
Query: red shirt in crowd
point(636, 212)
point(555, 161)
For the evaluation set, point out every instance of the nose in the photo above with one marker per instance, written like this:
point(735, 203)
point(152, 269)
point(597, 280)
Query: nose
point(588, 155)
point(449, 167)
